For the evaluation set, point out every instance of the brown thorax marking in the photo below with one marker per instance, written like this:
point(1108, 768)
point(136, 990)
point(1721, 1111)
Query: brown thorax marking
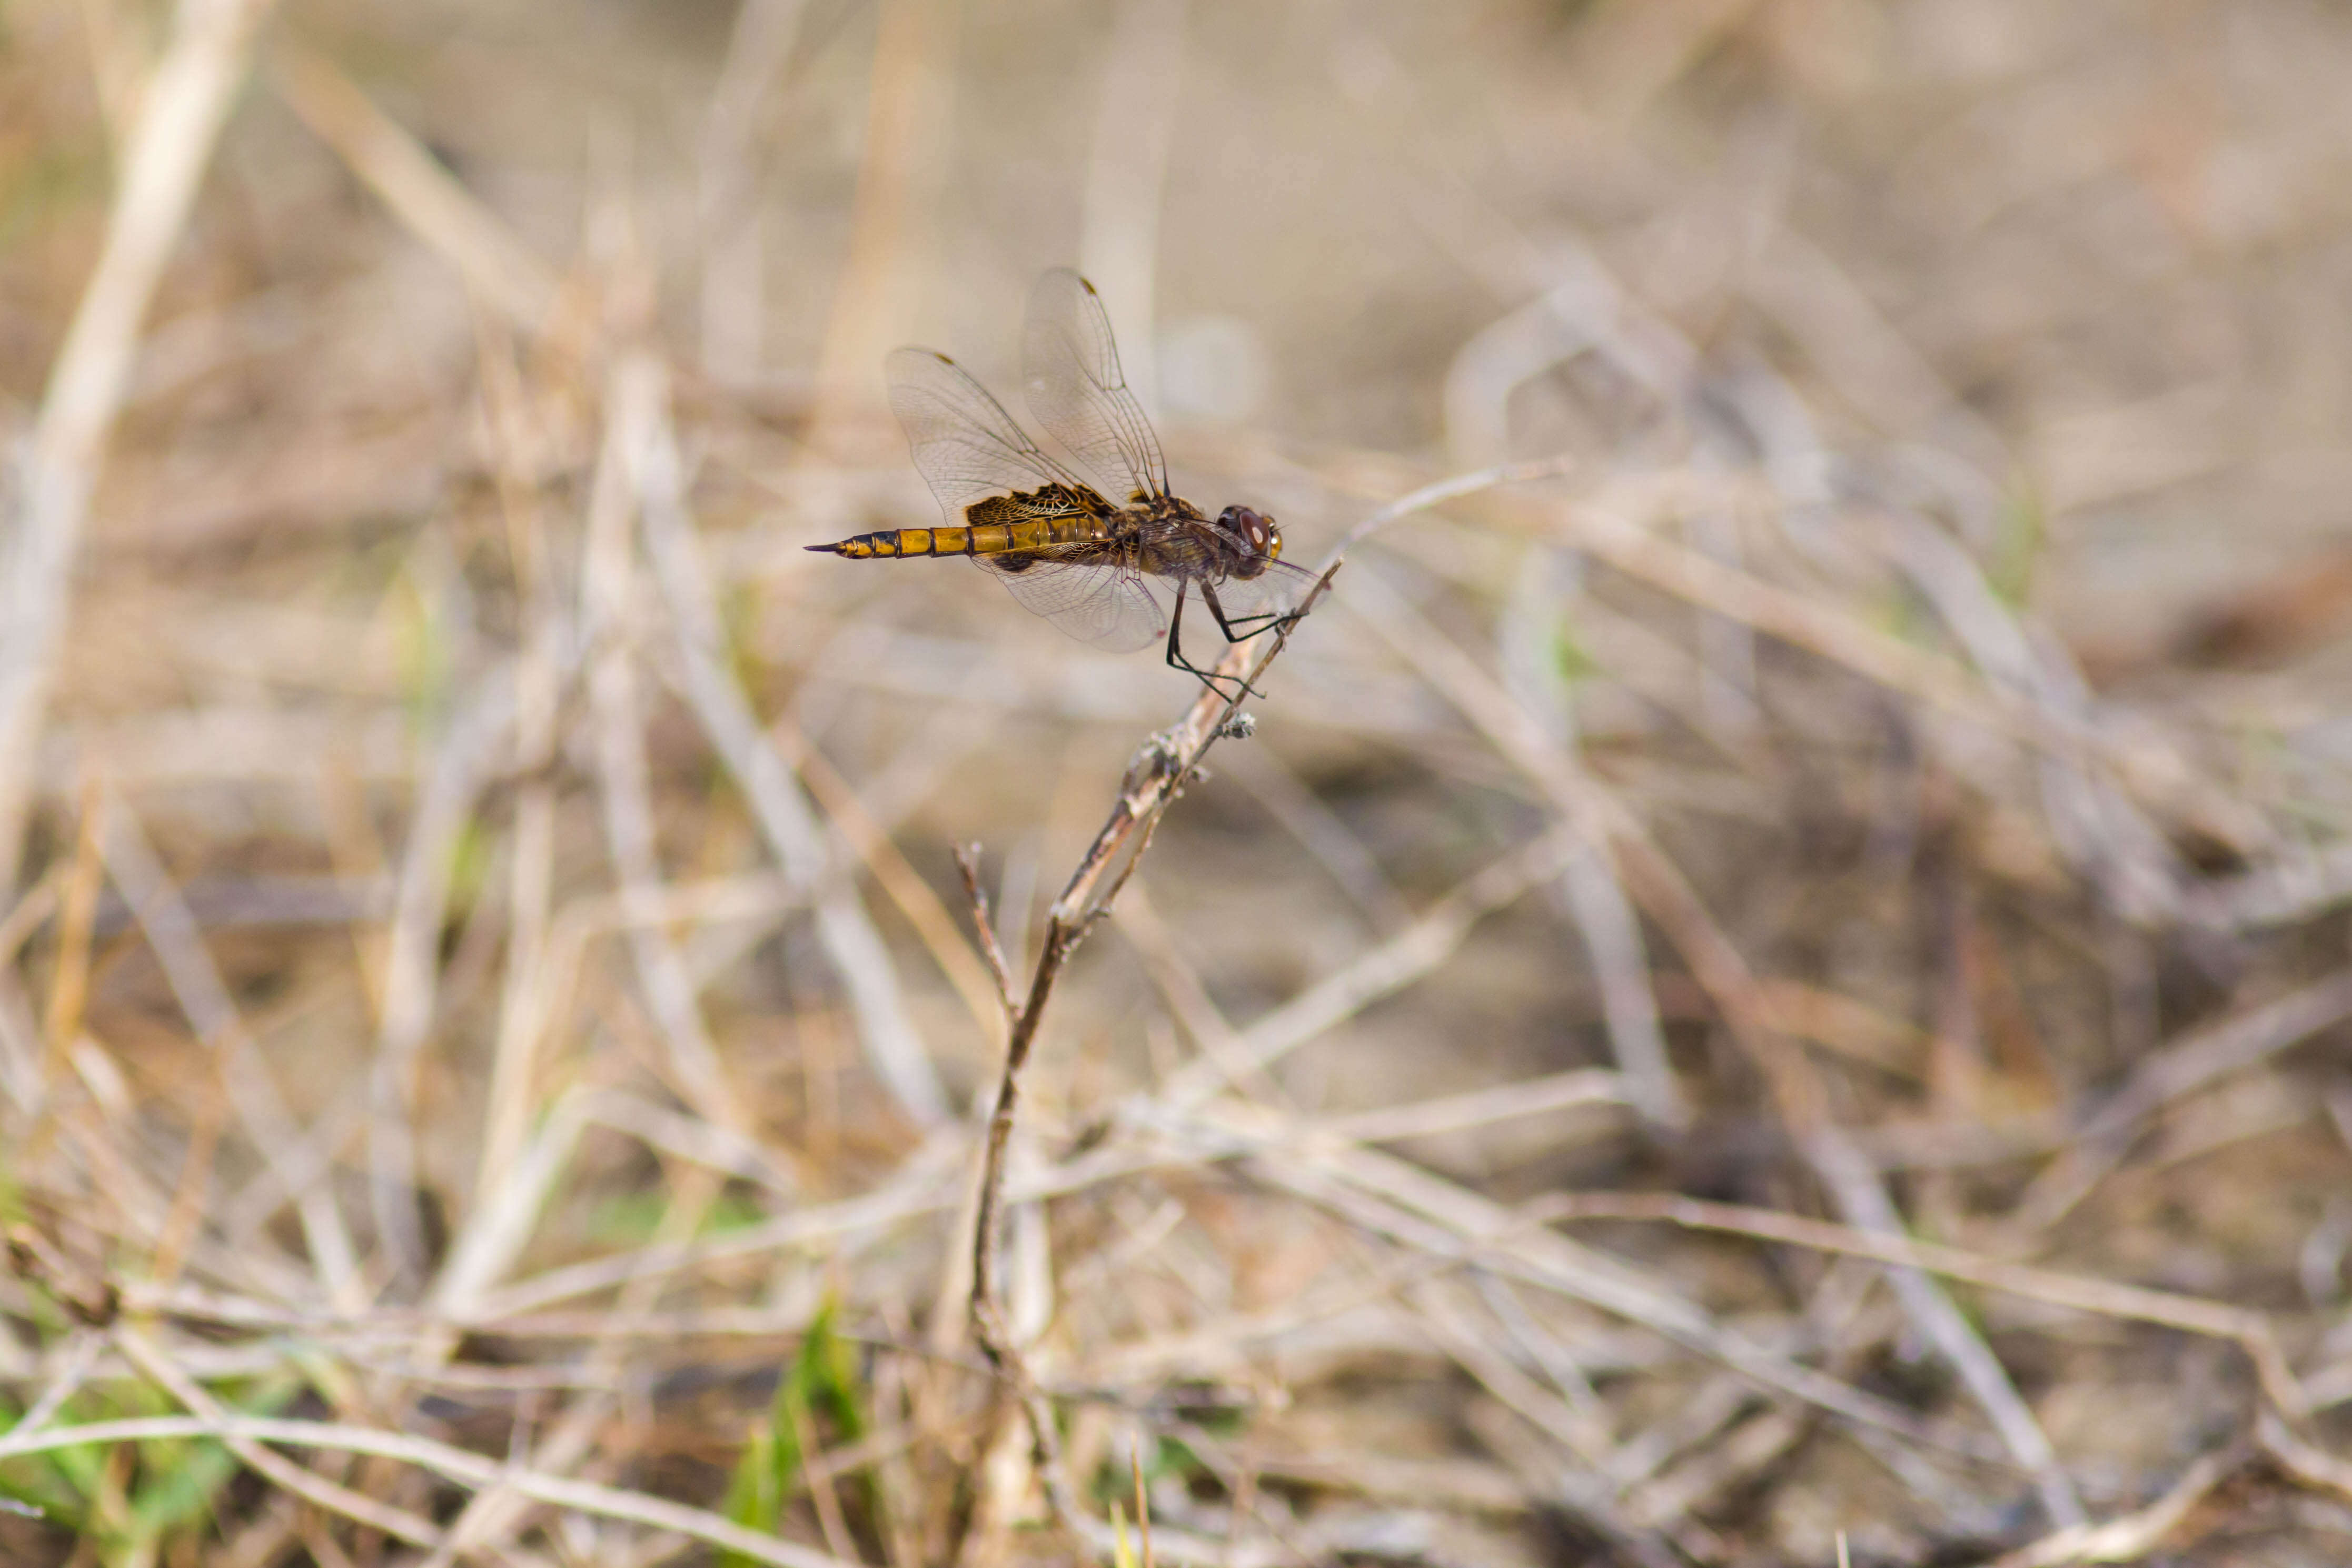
point(1161, 534)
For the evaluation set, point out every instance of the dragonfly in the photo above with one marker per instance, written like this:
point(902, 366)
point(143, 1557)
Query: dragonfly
point(1113, 574)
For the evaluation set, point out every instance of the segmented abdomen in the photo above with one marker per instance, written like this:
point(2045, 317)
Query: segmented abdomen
point(996, 526)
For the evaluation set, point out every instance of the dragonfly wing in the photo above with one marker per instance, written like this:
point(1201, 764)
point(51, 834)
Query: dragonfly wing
point(1096, 601)
point(964, 442)
point(1277, 589)
point(1069, 368)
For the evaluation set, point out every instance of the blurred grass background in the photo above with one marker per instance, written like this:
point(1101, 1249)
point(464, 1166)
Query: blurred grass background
point(1894, 778)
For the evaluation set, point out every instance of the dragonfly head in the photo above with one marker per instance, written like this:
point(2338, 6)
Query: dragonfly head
point(1259, 538)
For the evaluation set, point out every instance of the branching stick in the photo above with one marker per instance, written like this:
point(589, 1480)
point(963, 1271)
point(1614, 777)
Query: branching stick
point(1162, 765)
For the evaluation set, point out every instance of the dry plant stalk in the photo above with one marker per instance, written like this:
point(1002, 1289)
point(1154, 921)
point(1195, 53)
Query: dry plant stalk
point(182, 109)
point(1162, 766)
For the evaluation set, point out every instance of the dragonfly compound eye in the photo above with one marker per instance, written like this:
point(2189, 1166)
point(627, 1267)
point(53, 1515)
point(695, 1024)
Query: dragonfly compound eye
point(1254, 529)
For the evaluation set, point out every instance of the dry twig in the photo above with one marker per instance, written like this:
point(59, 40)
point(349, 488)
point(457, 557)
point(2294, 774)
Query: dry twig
point(2250, 1330)
point(180, 114)
point(1160, 769)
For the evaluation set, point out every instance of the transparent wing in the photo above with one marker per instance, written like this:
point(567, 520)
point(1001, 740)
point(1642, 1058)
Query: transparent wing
point(964, 442)
point(1069, 369)
point(1096, 601)
point(1277, 589)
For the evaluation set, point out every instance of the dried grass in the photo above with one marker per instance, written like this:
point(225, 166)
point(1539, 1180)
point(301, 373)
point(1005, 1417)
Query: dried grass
point(1766, 987)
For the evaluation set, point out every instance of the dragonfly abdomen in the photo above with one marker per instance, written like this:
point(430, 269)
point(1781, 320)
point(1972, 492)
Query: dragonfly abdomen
point(892, 543)
point(982, 537)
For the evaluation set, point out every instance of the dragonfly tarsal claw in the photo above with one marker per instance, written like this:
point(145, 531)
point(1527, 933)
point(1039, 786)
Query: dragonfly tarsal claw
point(1214, 682)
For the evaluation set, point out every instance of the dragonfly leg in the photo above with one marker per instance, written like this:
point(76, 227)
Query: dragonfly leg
point(1176, 659)
point(1266, 622)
